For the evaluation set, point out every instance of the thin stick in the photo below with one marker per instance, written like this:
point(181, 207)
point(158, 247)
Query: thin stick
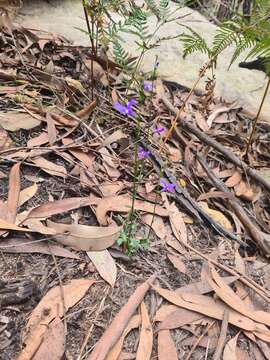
point(198, 340)
point(178, 113)
point(222, 336)
point(249, 225)
point(216, 145)
point(257, 118)
point(61, 290)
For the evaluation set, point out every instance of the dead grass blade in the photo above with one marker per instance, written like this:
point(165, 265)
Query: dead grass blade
point(122, 204)
point(104, 264)
point(146, 336)
point(118, 325)
point(166, 346)
point(53, 340)
point(14, 188)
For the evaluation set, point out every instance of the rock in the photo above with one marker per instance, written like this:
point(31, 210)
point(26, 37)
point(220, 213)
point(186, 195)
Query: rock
point(245, 86)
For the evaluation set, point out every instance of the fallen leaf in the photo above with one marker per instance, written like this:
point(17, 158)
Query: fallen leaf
point(50, 307)
point(177, 263)
point(122, 204)
point(111, 189)
point(177, 223)
point(119, 323)
point(39, 140)
point(215, 194)
point(13, 192)
point(54, 339)
point(166, 346)
point(84, 237)
point(234, 179)
point(5, 140)
point(178, 318)
point(113, 138)
point(98, 71)
point(74, 84)
point(156, 223)
point(85, 158)
point(249, 193)
point(24, 245)
point(114, 353)
point(215, 309)
point(50, 167)
point(217, 215)
point(109, 165)
point(146, 336)
point(14, 121)
point(201, 122)
point(60, 206)
point(226, 294)
point(174, 154)
point(5, 225)
point(105, 265)
point(84, 113)
point(51, 128)
point(27, 194)
point(230, 349)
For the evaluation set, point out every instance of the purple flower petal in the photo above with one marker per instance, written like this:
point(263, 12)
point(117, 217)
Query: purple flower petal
point(121, 108)
point(142, 154)
point(158, 130)
point(167, 187)
point(147, 86)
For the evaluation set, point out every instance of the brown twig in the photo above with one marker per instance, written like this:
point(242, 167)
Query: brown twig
point(216, 145)
point(257, 117)
point(248, 224)
point(199, 339)
point(222, 336)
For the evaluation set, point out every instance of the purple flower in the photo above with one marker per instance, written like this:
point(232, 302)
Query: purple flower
point(148, 86)
point(142, 154)
point(126, 109)
point(167, 187)
point(158, 130)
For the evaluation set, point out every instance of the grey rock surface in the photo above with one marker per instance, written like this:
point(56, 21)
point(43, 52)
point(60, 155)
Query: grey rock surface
point(244, 86)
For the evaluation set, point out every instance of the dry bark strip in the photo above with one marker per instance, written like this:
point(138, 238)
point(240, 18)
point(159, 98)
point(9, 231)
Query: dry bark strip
point(118, 325)
point(249, 225)
point(211, 142)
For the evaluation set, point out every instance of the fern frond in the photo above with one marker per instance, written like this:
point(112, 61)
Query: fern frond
point(193, 42)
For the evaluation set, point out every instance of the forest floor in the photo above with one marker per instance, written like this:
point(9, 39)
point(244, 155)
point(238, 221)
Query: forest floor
point(67, 170)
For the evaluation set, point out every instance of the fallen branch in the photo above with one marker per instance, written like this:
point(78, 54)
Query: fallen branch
point(248, 224)
point(118, 325)
point(211, 142)
point(186, 201)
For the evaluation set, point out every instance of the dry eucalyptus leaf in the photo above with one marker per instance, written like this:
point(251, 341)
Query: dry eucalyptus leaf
point(83, 237)
point(104, 264)
point(50, 167)
point(14, 121)
point(217, 216)
point(27, 193)
point(122, 204)
point(49, 308)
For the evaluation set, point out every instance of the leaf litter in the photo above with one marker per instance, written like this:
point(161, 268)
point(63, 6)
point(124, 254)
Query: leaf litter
point(61, 231)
